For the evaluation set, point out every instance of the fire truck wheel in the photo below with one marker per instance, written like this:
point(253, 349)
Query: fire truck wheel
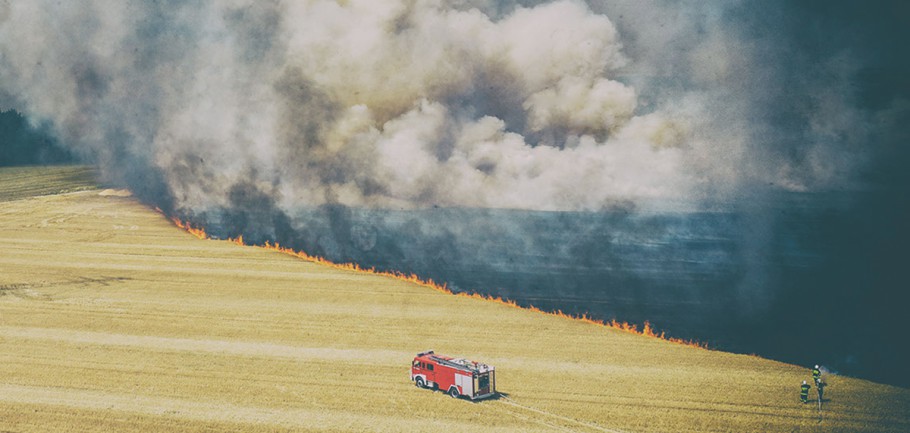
point(453, 392)
point(419, 382)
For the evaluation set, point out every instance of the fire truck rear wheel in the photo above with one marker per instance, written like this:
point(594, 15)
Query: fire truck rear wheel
point(419, 382)
point(453, 392)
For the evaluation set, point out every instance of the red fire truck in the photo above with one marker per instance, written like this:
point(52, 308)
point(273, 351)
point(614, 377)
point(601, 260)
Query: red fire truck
point(455, 376)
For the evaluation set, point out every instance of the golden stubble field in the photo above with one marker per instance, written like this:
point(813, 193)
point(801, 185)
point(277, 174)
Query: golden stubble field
point(112, 319)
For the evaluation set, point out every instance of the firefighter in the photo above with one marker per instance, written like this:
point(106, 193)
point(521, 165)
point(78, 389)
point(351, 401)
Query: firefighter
point(804, 392)
point(816, 375)
point(820, 387)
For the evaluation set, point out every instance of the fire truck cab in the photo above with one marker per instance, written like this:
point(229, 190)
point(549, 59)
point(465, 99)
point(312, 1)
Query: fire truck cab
point(455, 376)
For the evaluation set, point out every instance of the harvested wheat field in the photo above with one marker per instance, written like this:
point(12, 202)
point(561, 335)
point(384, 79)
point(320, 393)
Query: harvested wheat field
point(113, 319)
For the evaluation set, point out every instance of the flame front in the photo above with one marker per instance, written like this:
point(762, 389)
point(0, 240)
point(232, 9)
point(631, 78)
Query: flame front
point(631, 328)
point(195, 231)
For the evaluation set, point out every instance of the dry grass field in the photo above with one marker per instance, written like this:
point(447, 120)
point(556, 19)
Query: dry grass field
point(113, 319)
point(24, 182)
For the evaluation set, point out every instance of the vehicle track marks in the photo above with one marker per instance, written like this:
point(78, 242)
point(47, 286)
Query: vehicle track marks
point(295, 418)
point(586, 425)
point(251, 348)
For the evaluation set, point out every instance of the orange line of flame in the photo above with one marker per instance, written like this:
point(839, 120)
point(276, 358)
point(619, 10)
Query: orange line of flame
point(631, 328)
point(195, 231)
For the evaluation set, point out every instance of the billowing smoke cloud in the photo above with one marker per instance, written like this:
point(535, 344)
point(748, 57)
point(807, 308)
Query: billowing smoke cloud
point(393, 104)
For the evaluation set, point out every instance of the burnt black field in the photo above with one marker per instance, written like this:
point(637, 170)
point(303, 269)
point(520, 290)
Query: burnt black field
point(802, 278)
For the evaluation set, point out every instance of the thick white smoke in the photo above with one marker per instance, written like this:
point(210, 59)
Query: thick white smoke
point(388, 103)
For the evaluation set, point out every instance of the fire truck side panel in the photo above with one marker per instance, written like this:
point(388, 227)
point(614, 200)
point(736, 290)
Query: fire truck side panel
point(465, 384)
point(446, 377)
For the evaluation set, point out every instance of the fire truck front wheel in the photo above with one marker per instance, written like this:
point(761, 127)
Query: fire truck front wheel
point(453, 392)
point(419, 382)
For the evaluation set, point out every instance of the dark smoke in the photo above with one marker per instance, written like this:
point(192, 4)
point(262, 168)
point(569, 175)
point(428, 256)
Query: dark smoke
point(732, 171)
point(24, 144)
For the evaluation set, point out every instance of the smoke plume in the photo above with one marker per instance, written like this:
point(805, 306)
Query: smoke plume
point(399, 104)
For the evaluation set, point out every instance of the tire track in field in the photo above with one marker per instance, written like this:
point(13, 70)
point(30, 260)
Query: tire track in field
point(257, 349)
point(296, 418)
point(553, 416)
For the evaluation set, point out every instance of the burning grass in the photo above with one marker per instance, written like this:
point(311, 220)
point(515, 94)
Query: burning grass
point(646, 329)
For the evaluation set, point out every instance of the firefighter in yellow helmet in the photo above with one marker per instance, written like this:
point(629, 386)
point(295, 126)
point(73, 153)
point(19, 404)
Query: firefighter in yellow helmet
point(804, 392)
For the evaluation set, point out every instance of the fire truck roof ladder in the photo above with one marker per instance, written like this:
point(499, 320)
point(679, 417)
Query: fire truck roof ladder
point(462, 364)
